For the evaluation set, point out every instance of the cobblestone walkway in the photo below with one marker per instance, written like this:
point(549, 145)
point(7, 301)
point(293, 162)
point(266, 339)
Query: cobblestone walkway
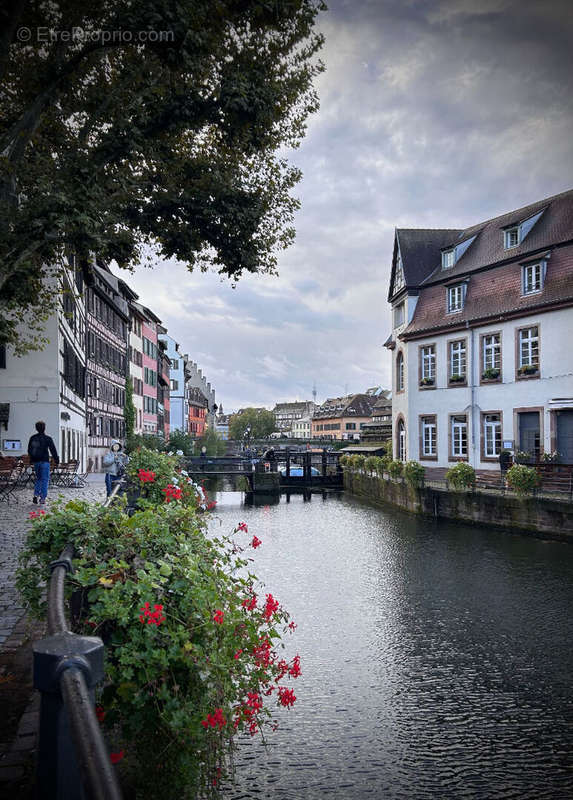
point(18, 699)
point(14, 526)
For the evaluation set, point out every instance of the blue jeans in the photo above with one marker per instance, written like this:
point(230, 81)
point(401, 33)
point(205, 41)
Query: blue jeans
point(42, 470)
point(109, 481)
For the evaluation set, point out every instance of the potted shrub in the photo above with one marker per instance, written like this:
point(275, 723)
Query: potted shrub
point(523, 457)
point(522, 479)
point(461, 476)
point(414, 474)
point(427, 382)
point(457, 378)
point(528, 369)
point(490, 374)
point(395, 469)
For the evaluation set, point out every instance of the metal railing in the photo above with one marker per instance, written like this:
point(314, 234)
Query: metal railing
point(73, 759)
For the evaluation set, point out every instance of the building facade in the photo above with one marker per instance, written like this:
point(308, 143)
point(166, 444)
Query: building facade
point(196, 380)
point(480, 354)
point(342, 418)
point(301, 428)
point(107, 361)
point(163, 383)
point(179, 410)
point(287, 413)
point(197, 412)
point(50, 385)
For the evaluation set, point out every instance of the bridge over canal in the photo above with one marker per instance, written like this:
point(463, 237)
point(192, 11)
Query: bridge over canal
point(282, 470)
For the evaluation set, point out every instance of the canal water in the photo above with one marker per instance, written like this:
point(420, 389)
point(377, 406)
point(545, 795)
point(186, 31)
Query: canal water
point(437, 659)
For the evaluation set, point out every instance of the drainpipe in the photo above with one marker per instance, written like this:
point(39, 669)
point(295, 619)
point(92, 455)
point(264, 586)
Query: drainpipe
point(472, 401)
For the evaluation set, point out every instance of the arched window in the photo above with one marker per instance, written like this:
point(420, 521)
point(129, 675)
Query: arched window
point(400, 372)
point(401, 441)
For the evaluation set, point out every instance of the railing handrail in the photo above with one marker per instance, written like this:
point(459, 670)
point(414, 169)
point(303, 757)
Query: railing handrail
point(67, 667)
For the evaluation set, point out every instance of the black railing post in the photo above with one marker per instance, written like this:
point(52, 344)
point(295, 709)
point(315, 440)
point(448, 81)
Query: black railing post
point(56, 659)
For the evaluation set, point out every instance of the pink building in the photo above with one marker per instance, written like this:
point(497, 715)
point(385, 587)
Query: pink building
point(150, 376)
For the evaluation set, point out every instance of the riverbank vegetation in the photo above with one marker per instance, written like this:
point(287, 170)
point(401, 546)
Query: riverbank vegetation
point(191, 638)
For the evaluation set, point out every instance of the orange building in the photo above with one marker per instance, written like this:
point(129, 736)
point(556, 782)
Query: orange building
point(197, 412)
point(342, 417)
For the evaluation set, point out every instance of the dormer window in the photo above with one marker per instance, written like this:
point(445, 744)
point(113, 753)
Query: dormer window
point(532, 278)
point(455, 297)
point(511, 237)
point(448, 258)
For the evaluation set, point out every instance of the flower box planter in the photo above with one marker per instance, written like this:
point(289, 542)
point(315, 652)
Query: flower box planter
point(491, 375)
point(427, 383)
point(527, 370)
point(457, 379)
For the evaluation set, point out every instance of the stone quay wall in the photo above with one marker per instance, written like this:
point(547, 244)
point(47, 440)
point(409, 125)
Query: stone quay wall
point(540, 516)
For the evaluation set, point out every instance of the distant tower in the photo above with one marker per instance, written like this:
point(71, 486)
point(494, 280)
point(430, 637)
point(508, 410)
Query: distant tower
point(314, 393)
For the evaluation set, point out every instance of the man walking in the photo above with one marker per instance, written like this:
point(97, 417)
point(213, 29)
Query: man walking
point(40, 447)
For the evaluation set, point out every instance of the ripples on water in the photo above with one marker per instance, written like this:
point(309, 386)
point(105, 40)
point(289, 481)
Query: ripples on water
point(436, 658)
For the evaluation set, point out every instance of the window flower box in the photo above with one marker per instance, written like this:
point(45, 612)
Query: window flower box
point(427, 382)
point(490, 374)
point(457, 378)
point(528, 369)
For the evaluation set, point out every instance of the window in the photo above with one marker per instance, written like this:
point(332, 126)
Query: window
point(428, 363)
point(174, 363)
point(511, 237)
point(458, 361)
point(456, 297)
point(399, 315)
point(401, 441)
point(429, 437)
point(350, 426)
point(2, 356)
point(532, 278)
point(492, 435)
point(400, 372)
point(528, 349)
point(492, 352)
point(399, 275)
point(174, 385)
point(448, 258)
point(459, 436)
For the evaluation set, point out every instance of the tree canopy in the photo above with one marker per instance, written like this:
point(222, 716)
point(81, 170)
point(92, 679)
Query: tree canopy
point(148, 129)
point(260, 422)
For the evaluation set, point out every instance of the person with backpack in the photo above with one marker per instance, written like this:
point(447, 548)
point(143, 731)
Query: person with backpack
point(40, 447)
point(113, 465)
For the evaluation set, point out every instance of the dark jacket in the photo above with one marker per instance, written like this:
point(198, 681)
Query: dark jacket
point(39, 448)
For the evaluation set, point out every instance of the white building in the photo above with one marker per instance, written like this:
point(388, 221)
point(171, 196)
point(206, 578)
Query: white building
point(179, 413)
point(286, 414)
point(480, 344)
point(49, 384)
point(300, 428)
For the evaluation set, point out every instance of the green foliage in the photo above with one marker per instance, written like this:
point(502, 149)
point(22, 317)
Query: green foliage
point(212, 441)
point(382, 463)
point(357, 461)
point(522, 479)
point(178, 440)
point(344, 460)
point(461, 476)
point(371, 463)
point(177, 141)
point(260, 422)
point(395, 469)
point(388, 448)
point(414, 474)
point(129, 410)
point(147, 440)
point(208, 650)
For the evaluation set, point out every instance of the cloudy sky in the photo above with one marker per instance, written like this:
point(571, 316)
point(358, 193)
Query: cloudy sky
point(433, 114)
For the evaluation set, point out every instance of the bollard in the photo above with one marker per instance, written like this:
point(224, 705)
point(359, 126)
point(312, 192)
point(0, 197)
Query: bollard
point(63, 659)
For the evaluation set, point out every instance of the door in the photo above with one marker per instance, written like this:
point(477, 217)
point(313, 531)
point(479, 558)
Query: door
point(565, 436)
point(529, 430)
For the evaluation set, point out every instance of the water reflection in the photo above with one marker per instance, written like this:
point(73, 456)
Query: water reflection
point(436, 658)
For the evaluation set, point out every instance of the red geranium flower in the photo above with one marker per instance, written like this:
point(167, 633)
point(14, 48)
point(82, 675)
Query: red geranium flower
point(287, 697)
point(146, 475)
point(242, 526)
point(255, 542)
point(115, 757)
point(219, 616)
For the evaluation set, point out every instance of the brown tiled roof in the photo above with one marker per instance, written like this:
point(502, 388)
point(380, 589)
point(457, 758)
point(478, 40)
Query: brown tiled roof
point(555, 226)
point(353, 405)
point(494, 293)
